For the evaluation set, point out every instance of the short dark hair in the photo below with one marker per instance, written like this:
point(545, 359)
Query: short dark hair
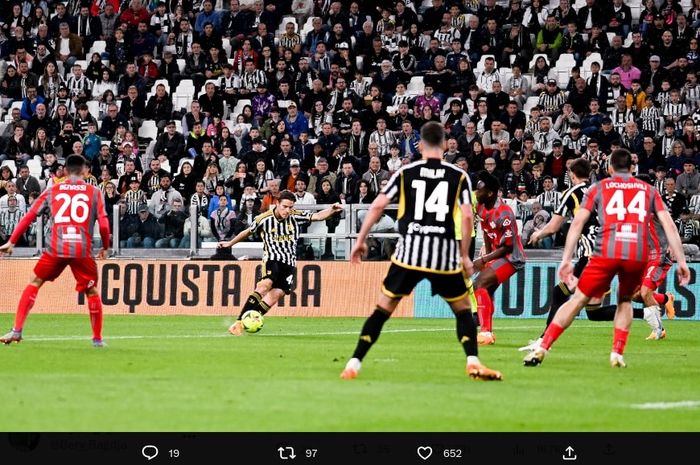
point(490, 181)
point(287, 195)
point(75, 164)
point(433, 134)
point(581, 168)
point(621, 160)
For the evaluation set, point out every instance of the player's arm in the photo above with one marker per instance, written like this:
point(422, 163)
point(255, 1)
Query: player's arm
point(572, 237)
point(674, 242)
point(327, 213)
point(465, 242)
point(241, 236)
point(24, 224)
point(552, 227)
point(102, 224)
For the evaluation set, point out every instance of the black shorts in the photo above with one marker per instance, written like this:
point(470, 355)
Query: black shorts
point(580, 265)
point(400, 281)
point(281, 275)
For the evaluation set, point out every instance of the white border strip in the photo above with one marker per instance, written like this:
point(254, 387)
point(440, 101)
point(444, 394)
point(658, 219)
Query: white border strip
point(667, 405)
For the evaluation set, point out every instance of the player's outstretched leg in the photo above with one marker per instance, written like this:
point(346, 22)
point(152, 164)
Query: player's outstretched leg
point(254, 302)
point(620, 337)
point(485, 310)
point(560, 294)
point(369, 335)
point(95, 308)
point(466, 335)
point(26, 302)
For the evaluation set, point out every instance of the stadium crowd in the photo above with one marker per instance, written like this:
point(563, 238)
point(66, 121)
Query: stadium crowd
point(222, 104)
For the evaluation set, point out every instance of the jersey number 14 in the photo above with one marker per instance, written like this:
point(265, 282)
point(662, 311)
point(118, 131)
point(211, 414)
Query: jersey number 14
point(435, 203)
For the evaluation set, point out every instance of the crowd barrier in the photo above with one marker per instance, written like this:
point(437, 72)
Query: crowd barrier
point(179, 287)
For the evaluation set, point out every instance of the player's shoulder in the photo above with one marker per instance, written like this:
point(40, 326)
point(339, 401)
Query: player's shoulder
point(411, 167)
point(263, 216)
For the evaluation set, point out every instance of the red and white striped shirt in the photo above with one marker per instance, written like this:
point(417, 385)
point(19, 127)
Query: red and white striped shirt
point(625, 207)
point(74, 206)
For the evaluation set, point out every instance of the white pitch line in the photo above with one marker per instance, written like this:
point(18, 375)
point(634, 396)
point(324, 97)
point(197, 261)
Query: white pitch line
point(667, 405)
point(40, 338)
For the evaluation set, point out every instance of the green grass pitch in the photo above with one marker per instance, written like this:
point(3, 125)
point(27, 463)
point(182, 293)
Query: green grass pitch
point(174, 373)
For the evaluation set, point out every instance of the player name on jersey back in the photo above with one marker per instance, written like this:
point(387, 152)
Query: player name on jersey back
point(430, 194)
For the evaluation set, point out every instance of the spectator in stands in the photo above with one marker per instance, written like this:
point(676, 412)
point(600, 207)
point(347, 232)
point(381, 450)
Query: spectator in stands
point(160, 107)
point(69, 46)
point(688, 181)
point(549, 39)
point(11, 189)
point(133, 107)
point(162, 200)
point(540, 217)
point(26, 183)
point(147, 230)
point(675, 201)
point(9, 218)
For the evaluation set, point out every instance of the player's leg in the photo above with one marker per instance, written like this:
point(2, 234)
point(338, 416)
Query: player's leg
point(26, 302)
point(653, 278)
point(85, 272)
point(563, 319)
point(623, 322)
point(398, 283)
point(452, 288)
point(47, 269)
point(490, 277)
point(255, 299)
point(560, 294)
point(469, 282)
point(594, 281)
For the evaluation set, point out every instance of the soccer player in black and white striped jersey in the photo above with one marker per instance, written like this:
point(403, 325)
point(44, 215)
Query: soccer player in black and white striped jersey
point(431, 193)
point(279, 229)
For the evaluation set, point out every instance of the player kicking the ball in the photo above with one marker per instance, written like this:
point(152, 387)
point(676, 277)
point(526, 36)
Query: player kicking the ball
point(279, 231)
point(625, 207)
point(74, 207)
point(430, 194)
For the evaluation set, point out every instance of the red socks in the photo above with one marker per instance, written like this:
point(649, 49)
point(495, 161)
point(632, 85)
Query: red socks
point(26, 302)
point(551, 335)
point(660, 298)
point(484, 309)
point(95, 307)
point(620, 340)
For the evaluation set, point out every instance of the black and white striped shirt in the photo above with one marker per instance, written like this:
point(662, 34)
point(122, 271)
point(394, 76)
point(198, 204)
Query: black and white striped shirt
point(280, 236)
point(9, 221)
point(691, 97)
point(679, 110)
point(251, 80)
point(428, 193)
point(383, 141)
point(650, 119)
point(550, 200)
point(620, 118)
point(76, 86)
point(571, 201)
point(551, 102)
point(290, 41)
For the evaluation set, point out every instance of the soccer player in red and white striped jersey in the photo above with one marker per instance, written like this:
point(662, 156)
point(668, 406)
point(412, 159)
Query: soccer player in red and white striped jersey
point(625, 207)
point(74, 206)
point(504, 255)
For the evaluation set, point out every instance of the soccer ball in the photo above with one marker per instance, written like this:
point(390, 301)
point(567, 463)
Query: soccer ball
point(253, 321)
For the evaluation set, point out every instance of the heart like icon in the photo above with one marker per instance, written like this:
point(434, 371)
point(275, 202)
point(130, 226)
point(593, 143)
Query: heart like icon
point(424, 452)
